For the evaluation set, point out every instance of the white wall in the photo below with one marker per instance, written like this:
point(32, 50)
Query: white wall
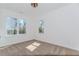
point(11, 39)
point(61, 27)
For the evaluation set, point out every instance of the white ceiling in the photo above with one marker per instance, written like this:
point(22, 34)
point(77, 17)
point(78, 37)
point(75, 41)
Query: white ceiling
point(28, 10)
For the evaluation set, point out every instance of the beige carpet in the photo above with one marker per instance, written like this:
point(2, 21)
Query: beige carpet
point(35, 47)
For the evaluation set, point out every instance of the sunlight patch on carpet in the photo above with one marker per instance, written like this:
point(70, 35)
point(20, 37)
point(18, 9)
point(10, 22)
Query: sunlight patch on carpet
point(33, 46)
point(36, 44)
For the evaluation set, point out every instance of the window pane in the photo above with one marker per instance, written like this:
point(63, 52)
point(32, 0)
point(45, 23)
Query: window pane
point(11, 25)
point(22, 26)
point(41, 28)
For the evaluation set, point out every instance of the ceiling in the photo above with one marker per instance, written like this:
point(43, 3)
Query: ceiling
point(28, 10)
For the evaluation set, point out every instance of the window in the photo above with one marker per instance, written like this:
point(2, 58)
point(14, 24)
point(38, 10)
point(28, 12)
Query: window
point(11, 25)
point(21, 26)
point(15, 26)
point(41, 28)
